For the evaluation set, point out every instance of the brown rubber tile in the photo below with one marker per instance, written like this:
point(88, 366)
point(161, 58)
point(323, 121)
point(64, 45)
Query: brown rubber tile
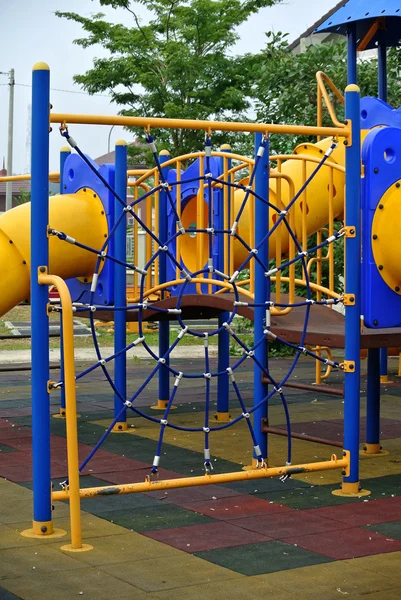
point(347, 543)
point(363, 513)
point(289, 523)
point(208, 536)
point(235, 507)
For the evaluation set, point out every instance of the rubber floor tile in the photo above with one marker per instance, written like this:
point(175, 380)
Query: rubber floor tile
point(136, 476)
point(17, 562)
point(266, 557)
point(87, 582)
point(5, 595)
point(241, 588)
point(169, 572)
point(209, 536)
point(113, 549)
point(347, 543)
point(270, 484)
point(363, 513)
point(162, 516)
point(391, 594)
point(235, 507)
point(316, 496)
point(388, 565)
point(6, 448)
point(329, 581)
point(129, 502)
point(288, 523)
point(183, 496)
point(391, 530)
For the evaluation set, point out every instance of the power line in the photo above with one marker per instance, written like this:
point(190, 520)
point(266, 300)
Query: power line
point(65, 91)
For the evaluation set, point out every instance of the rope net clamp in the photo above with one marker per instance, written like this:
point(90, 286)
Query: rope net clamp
point(228, 328)
point(207, 375)
point(233, 277)
point(94, 282)
point(270, 334)
point(181, 228)
point(178, 379)
point(128, 403)
point(234, 228)
point(240, 303)
point(230, 374)
point(139, 341)
point(246, 415)
point(182, 332)
point(206, 340)
point(221, 274)
point(163, 422)
point(271, 272)
point(186, 275)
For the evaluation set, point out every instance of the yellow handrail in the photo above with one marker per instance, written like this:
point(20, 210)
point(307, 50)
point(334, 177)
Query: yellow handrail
point(71, 404)
point(322, 78)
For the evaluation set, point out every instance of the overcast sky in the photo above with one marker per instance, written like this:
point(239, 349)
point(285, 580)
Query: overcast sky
point(30, 32)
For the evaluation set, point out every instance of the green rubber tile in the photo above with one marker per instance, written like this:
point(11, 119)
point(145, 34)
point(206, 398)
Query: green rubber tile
point(162, 516)
point(270, 484)
point(328, 581)
point(306, 497)
point(114, 549)
point(17, 562)
point(390, 530)
point(169, 573)
point(87, 582)
point(266, 557)
point(241, 588)
point(4, 448)
point(121, 502)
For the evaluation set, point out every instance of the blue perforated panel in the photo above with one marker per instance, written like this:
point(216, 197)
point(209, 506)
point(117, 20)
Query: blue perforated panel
point(381, 306)
point(78, 175)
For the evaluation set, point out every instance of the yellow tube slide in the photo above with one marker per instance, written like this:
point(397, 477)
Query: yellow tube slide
point(316, 197)
point(79, 215)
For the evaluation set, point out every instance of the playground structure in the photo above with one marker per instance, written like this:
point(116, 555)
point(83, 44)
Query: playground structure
point(219, 235)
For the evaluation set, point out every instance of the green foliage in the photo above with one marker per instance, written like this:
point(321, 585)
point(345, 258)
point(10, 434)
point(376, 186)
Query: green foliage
point(285, 88)
point(177, 64)
point(23, 197)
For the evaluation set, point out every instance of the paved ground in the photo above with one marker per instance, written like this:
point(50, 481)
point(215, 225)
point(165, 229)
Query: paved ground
point(282, 540)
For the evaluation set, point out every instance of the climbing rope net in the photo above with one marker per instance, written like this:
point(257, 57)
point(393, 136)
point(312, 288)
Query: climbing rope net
point(165, 246)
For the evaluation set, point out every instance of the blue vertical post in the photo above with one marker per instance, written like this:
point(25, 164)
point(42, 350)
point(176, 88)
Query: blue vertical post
point(377, 359)
point(42, 514)
point(350, 484)
point(120, 286)
point(351, 54)
point(262, 292)
point(64, 154)
point(223, 348)
point(164, 326)
point(372, 445)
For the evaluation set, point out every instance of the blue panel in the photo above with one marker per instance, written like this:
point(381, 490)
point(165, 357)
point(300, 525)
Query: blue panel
point(78, 175)
point(375, 112)
point(381, 306)
point(364, 13)
point(189, 189)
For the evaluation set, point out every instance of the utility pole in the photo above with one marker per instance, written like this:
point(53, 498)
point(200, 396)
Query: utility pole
point(9, 186)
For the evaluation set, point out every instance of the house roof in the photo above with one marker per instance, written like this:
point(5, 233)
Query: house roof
point(16, 187)
point(364, 14)
point(312, 28)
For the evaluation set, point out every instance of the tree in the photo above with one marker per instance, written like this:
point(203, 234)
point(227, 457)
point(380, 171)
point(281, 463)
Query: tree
point(284, 85)
point(176, 65)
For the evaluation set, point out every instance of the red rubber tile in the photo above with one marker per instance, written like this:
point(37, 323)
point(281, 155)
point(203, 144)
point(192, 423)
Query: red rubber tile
point(288, 523)
point(235, 507)
point(347, 543)
point(15, 459)
point(15, 412)
point(185, 496)
point(16, 431)
point(208, 536)
point(383, 510)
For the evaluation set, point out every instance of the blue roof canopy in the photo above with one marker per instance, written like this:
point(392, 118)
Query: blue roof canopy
point(364, 13)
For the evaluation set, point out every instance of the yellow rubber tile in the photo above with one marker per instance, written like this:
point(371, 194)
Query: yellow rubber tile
point(388, 565)
point(16, 503)
point(119, 548)
point(10, 537)
point(92, 526)
point(167, 573)
point(88, 583)
point(392, 594)
point(327, 581)
point(17, 562)
point(246, 588)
